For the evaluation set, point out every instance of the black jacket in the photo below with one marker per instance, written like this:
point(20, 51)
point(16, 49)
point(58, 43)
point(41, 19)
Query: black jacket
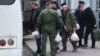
point(63, 16)
point(85, 18)
point(80, 16)
point(33, 18)
point(90, 18)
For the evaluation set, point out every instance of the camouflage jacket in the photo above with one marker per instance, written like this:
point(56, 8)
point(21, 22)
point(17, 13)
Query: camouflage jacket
point(48, 19)
point(69, 20)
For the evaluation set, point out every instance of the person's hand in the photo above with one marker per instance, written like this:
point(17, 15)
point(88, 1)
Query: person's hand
point(95, 25)
point(65, 27)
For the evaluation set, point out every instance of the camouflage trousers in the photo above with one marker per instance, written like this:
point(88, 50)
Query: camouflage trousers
point(52, 35)
point(65, 35)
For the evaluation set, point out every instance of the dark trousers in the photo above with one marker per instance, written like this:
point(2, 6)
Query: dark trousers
point(80, 33)
point(38, 42)
point(31, 26)
point(89, 30)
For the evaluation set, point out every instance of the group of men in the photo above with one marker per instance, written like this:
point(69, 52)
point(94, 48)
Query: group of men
point(51, 20)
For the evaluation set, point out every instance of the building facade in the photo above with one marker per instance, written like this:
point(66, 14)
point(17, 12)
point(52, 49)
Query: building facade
point(72, 4)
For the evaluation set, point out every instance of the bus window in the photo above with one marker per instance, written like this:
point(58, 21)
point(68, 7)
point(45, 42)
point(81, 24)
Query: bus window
point(6, 2)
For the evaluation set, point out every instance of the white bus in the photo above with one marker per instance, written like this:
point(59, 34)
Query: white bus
point(10, 28)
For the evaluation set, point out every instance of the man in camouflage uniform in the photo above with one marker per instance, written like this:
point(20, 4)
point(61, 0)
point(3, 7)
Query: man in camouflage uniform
point(70, 24)
point(48, 19)
point(54, 6)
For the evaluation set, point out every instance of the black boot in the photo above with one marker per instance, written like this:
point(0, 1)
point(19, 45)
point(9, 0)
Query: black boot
point(64, 48)
point(85, 46)
point(74, 44)
point(57, 49)
point(93, 46)
point(80, 45)
point(38, 51)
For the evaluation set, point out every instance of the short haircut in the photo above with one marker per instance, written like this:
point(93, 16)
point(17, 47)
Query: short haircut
point(34, 3)
point(63, 4)
point(47, 4)
point(54, 2)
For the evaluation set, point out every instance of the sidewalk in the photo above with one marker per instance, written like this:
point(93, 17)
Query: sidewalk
point(80, 52)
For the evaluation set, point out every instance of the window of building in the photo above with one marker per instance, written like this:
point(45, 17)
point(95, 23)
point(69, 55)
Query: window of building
point(98, 4)
point(99, 24)
point(6, 2)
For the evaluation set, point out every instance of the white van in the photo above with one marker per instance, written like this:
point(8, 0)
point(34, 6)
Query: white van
point(10, 28)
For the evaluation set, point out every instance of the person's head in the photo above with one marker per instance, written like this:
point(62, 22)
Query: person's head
point(64, 7)
point(81, 5)
point(34, 5)
point(48, 5)
point(54, 5)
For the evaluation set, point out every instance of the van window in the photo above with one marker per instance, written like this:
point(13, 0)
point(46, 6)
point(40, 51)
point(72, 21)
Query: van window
point(6, 2)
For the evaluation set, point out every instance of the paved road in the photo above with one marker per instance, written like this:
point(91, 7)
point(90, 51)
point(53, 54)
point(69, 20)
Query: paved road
point(80, 52)
point(26, 51)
